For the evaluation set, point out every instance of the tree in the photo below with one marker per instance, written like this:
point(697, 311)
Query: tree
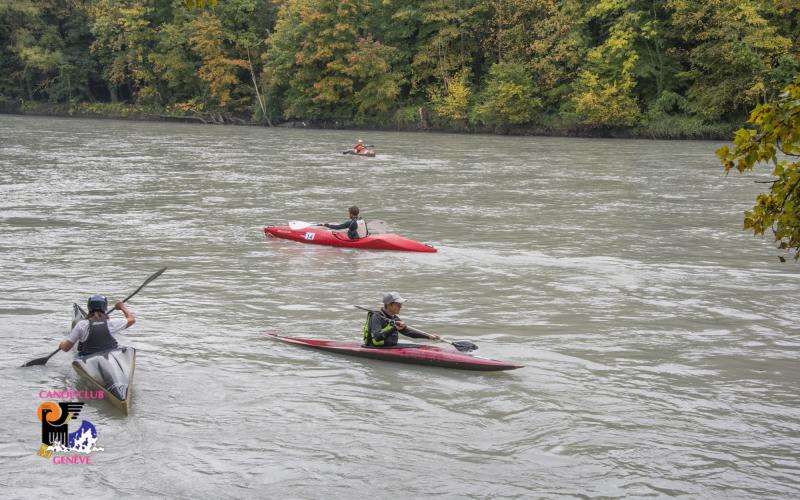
point(307, 59)
point(604, 103)
point(218, 70)
point(199, 4)
point(123, 37)
point(174, 62)
point(509, 97)
point(604, 91)
point(377, 86)
point(43, 46)
point(777, 133)
point(737, 57)
point(541, 33)
point(322, 62)
point(452, 107)
point(448, 40)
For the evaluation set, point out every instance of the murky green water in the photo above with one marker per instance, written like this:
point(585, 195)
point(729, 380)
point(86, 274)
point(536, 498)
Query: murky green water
point(660, 341)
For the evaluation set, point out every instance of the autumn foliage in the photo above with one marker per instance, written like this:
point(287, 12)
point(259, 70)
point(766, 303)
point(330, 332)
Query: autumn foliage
point(775, 143)
point(670, 68)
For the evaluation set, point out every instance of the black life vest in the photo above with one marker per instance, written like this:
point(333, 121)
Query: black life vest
point(99, 339)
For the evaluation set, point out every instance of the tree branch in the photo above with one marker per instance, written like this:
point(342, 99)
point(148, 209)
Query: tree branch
point(789, 192)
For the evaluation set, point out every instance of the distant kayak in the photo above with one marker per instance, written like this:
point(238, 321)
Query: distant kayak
point(364, 152)
point(322, 236)
point(417, 354)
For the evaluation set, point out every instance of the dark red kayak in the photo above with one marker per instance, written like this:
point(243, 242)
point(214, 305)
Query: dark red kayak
point(403, 353)
point(320, 236)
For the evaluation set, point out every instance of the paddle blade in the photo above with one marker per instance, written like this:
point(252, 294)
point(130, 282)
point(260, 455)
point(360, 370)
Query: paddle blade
point(464, 346)
point(40, 361)
point(37, 361)
point(298, 224)
point(153, 276)
point(376, 226)
point(148, 280)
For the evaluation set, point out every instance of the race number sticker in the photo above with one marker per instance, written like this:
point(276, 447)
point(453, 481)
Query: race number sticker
point(310, 236)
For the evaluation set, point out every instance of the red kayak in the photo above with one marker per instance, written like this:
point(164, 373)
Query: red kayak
point(320, 236)
point(403, 353)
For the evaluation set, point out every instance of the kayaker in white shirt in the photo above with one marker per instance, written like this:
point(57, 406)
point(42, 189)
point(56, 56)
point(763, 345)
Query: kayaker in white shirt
point(356, 227)
point(97, 333)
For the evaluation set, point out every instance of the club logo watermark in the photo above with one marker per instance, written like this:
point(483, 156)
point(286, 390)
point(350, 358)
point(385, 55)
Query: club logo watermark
point(59, 445)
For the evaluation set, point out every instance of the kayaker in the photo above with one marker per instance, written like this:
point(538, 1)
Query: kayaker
point(359, 147)
point(382, 327)
point(356, 226)
point(97, 332)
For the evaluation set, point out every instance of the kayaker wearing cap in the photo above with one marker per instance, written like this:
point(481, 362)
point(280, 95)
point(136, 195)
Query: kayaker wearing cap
point(96, 332)
point(382, 327)
point(359, 147)
point(356, 226)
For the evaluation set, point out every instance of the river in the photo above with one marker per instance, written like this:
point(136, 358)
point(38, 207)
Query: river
point(659, 341)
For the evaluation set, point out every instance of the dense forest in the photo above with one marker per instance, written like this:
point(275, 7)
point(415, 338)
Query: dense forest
point(668, 68)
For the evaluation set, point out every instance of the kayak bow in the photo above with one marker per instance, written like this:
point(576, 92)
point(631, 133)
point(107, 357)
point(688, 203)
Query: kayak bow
point(417, 354)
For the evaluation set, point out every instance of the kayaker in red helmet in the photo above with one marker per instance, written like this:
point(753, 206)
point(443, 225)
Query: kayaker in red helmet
point(359, 147)
point(96, 332)
point(356, 226)
point(382, 327)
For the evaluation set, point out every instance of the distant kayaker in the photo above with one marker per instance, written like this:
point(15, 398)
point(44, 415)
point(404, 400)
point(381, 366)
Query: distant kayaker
point(97, 332)
point(382, 327)
point(359, 147)
point(356, 226)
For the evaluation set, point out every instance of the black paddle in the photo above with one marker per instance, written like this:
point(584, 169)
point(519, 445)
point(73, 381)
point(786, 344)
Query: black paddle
point(460, 345)
point(351, 152)
point(45, 359)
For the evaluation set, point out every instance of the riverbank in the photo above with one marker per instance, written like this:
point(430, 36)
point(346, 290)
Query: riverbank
point(669, 127)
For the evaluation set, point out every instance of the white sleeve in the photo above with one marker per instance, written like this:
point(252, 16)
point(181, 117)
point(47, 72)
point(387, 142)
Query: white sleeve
point(116, 325)
point(79, 333)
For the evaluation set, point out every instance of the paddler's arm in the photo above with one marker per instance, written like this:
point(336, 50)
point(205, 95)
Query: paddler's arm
point(72, 338)
point(418, 334)
point(401, 327)
point(337, 226)
point(128, 315)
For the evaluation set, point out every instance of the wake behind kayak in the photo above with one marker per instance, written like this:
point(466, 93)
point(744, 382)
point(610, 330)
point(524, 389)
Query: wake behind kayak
point(417, 354)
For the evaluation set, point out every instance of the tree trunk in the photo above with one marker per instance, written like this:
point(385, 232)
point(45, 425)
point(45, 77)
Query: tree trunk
point(258, 94)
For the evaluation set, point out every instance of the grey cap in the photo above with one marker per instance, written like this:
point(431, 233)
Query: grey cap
point(392, 297)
